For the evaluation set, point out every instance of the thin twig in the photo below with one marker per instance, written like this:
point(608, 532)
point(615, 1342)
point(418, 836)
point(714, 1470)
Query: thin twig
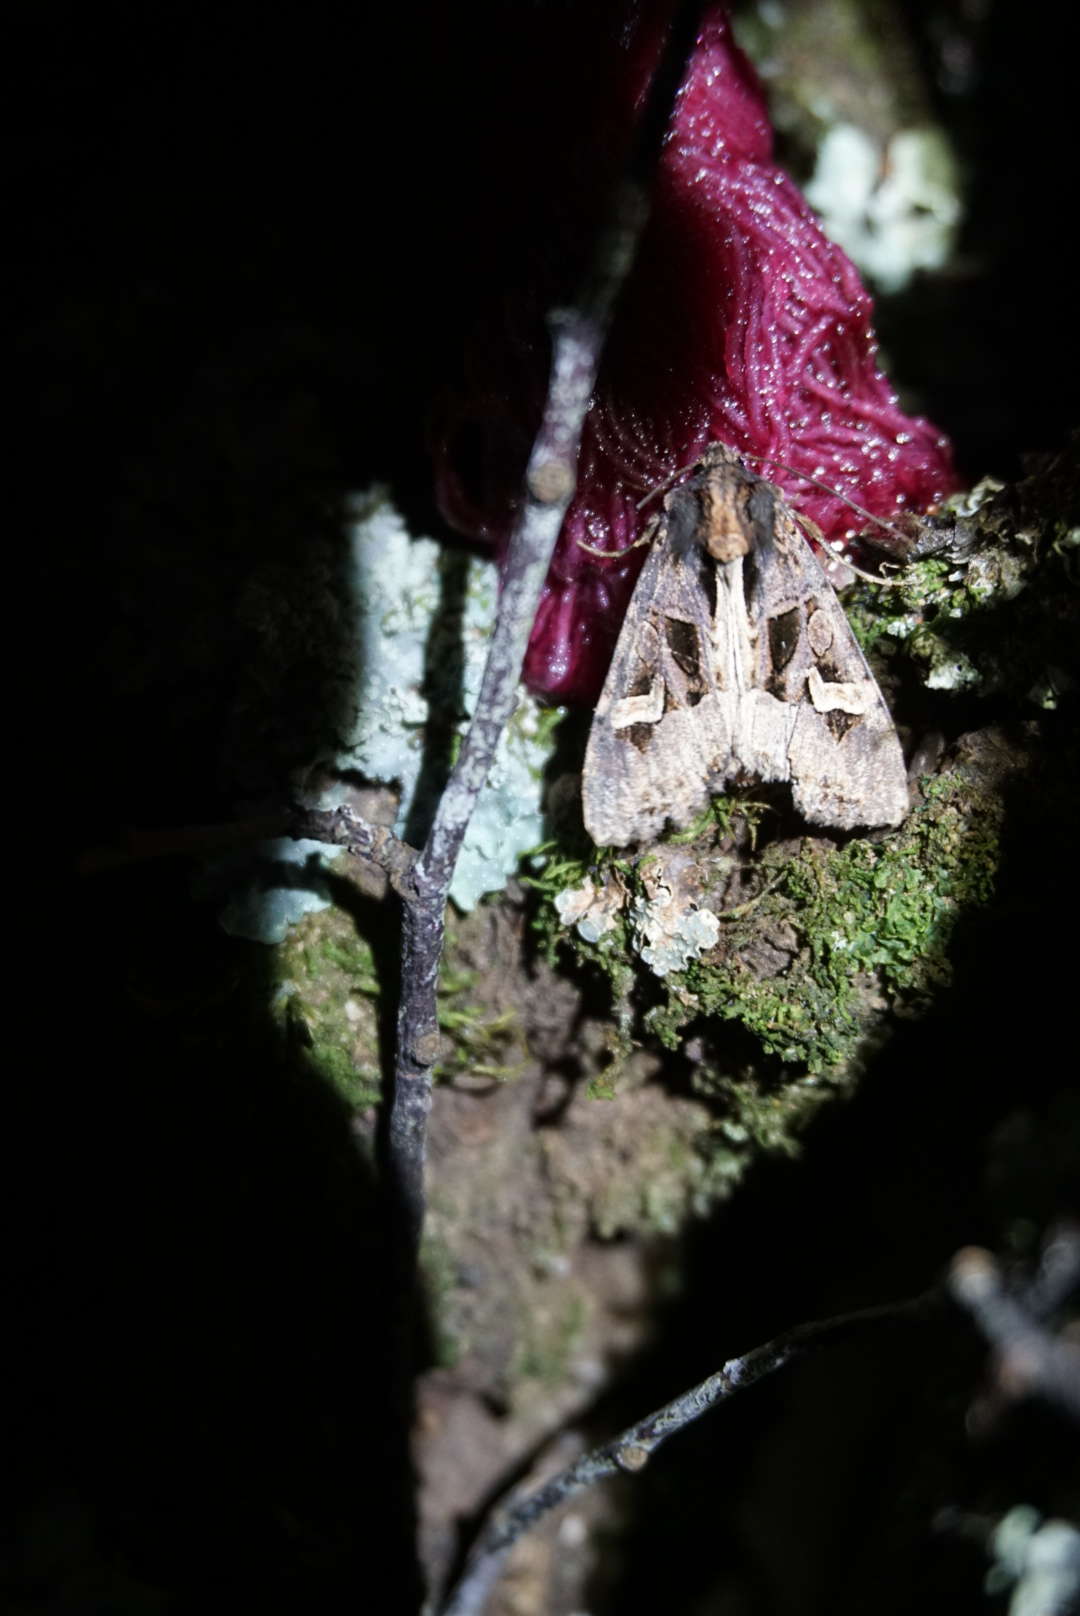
point(631, 1451)
point(181, 841)
point(342, 827)
point(578, 334)
point(339, 826)
point(551, 480)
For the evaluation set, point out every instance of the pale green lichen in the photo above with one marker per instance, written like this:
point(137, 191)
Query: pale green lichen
point(415, 654)
point(893, 208)
point(857, 127)
point(671, 921)
point(1038, 1560)
point(670, 937)
point(261, 908)
point(395, 584)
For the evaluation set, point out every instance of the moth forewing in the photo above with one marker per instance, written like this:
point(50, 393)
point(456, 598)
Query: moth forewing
point(735, 660)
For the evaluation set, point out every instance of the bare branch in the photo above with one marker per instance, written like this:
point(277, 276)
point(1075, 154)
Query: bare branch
point(343, 828)
point(632, 1450)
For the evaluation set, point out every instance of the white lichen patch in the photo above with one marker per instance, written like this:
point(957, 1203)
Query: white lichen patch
point(956, 672)
point(672, 926)
point(893, 210)
point(592, 909)
point(397, 594)
point(671, 922)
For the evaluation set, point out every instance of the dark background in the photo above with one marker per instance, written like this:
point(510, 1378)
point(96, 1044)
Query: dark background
point(244, 257)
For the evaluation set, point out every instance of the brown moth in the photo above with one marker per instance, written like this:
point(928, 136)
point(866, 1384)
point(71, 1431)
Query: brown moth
point(735, 661)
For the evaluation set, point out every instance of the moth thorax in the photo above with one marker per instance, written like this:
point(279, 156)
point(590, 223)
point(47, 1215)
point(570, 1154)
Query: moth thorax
point(725, 527)
point(819, 632)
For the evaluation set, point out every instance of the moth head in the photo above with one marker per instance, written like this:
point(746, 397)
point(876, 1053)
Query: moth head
point(723, 497)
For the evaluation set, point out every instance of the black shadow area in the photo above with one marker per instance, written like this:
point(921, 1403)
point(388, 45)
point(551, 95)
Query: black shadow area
point(205, 1411)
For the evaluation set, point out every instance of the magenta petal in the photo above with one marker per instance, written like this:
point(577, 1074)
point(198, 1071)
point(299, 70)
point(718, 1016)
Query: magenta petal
point(741, 324)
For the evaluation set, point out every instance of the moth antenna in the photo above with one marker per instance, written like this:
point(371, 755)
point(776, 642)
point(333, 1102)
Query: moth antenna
point(669, 482)
point(826, 488)
point(815, 535)
point(644, 537)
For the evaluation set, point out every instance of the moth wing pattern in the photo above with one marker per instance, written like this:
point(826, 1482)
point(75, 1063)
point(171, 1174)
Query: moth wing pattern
point(658, 730)
point(736, 660)
point(845, 762)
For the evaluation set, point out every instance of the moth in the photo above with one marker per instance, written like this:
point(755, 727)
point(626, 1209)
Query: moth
point(735, 662)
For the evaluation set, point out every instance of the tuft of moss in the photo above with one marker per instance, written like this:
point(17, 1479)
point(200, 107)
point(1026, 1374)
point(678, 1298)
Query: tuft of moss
point(326, 1003)
point(476, 1042)
point(837, 933)
point(553, 1335)
point(964, 613)
point(865, 917)
point(327, 1006)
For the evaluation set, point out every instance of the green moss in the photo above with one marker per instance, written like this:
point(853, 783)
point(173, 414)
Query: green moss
point(327, 1004)
point(986, 618)
point(799, 1016)
point(856, 919)
point(552, 1337)
point(438, 1271)
point(871, 910)
point(476, 1038)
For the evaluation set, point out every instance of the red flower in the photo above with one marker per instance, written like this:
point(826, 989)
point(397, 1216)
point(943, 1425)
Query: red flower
point(741, 323)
